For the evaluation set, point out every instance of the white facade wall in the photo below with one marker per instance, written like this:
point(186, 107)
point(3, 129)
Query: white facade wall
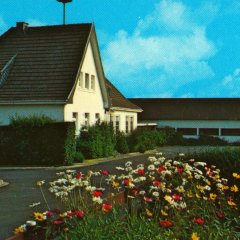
point(86, 100)
point(56, 112)
point(220, 124)
point(123, 115)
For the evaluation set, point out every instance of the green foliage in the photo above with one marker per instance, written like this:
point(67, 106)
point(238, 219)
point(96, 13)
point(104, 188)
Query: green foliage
point(122, 145)
point(143, 140)
point(97, 141)
point(51, 144)
point(30, 121)
point(78, 158)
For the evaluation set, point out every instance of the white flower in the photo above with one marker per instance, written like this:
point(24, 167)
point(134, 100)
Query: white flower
point(128, 169)
point(31, 223)
point(202, 164)
point(97, 200)
point(120, 168)
point(70, 171)
point(176, 163)
point(34, 204)
point(155, 194)
point(181, 154)
point(152, 159)
point(128, 164)
point(142, 192)
point(151, 167)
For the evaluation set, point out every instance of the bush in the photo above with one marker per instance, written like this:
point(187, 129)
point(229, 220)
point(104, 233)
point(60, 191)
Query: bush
point(122, 145)
point(51, 144)
point(97, 141)
point(79, 158)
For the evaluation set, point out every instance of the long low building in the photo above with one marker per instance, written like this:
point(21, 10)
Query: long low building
point(193, 117)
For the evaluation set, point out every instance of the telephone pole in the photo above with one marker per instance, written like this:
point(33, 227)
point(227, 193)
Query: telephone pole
point(64, 2)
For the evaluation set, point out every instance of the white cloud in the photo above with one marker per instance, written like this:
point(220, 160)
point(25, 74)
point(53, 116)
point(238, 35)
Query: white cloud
point(168, 44)
point(35, 22)
point(3, 25)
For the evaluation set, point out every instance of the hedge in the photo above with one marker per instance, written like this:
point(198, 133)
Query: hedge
point(50, 144)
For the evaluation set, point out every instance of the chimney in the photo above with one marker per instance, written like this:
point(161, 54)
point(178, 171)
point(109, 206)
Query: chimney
point(22, 26)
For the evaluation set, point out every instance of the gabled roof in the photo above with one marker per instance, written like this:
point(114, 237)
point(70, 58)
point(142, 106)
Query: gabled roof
point(188, 108)
point(117, 100)
point(47, 62)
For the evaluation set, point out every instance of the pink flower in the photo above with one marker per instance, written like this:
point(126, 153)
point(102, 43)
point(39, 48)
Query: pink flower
point(147, 199)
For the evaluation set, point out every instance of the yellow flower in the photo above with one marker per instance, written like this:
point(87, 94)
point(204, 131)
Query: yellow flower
point(19, 230)
point(213, 196)
point(223, 187)
point(149, 214)
point(234, 188)
point(208, 182)
point(235, 175)
point(38, 216)
point(62, 215)
point(231, 203)
point(168, 198)
point(190, 194)
point(198, 196)
point(201, 188)
point(40, 183)
point(216, 177)
point(115, 184)
point(195, 236)
point(190, 177)
point(164, 213)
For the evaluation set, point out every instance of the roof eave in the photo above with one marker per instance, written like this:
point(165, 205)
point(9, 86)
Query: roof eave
point(126, 109)
point(30, 102)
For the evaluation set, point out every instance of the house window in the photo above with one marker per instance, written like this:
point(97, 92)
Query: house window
point(127, 124)
point(209, 131)
point(87, 119)
point(231, 132)
point(97, 117)
point(87, 83)
point(74, 115)
point(131, 124)
point(81, 80)
point(117, 123)
point(187, 131)
point(92, 82)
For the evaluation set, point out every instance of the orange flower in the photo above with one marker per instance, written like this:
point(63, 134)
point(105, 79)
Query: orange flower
point(166, 223)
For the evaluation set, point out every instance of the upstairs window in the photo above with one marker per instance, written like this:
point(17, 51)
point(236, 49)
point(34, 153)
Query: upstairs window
point(81, 80)
point(92, 82)
point(87, 81)
point(87, 119)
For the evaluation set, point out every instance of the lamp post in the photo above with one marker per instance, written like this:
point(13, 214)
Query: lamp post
point(64, 9)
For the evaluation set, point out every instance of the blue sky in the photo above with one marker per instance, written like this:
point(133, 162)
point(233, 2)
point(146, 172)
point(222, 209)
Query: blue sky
point(153, 48)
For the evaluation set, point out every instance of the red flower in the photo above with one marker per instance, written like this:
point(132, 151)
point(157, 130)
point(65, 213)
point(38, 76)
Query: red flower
point(70, 213)
point(58, 222)
point(199, 221)
point(48, 213)
point(104, 172)
point(220, 215)
point(78, 175)
point(140, 172)
point(126, 181)
point(97, 193)
point(79, 213)
point(180, 169)
point(134, 191)
point(106, 207)
point(147, 199)
point(166, 223)
point(156, 183)
point(176, 197)
point(160, 169)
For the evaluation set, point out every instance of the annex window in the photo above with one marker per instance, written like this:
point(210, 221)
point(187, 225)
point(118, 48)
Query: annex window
point(87, 119)
point(92, 82)
point(187, 131)
point(117, 123)
point(131, 123)
point(81, 80)
point(230, 132)
point(209, 131)
point(87, 83)
point(127, 124)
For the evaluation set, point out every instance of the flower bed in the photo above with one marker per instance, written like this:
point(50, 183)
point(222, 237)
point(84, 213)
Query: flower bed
point(165, 199)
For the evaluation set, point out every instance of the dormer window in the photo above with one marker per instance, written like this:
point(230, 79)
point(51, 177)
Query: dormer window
point(87, 81)
point(92, 82)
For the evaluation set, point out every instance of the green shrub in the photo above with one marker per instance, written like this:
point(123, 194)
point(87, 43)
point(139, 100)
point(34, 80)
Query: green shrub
point(121, 145)
point(97, 141)
point(171, 137)
point(78, 158)
point(30, 121)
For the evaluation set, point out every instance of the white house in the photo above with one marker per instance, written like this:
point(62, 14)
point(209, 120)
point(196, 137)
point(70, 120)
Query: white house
point(193, 117)
point(57, 71)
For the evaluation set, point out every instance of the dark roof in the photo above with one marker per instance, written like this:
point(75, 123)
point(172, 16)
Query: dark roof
point(118, 100)
point(47, 61)
point(188, 108)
